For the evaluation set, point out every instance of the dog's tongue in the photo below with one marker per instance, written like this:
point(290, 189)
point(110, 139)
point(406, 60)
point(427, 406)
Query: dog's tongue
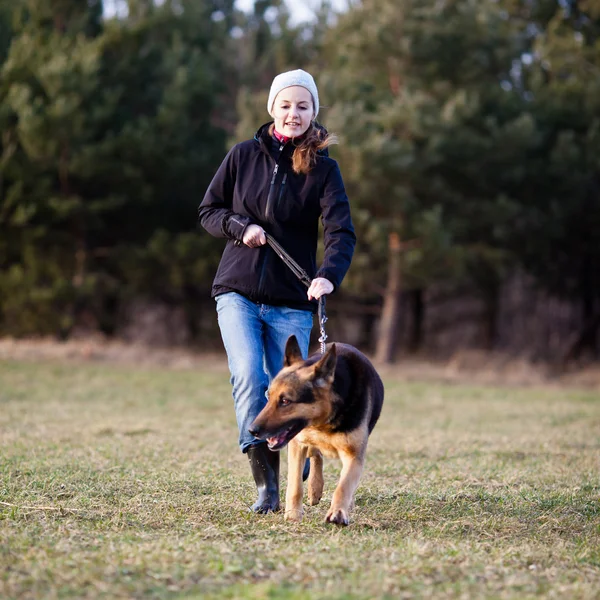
point(274, 441)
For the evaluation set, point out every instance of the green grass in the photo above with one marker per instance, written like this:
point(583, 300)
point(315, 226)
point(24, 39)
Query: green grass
point(124, 482)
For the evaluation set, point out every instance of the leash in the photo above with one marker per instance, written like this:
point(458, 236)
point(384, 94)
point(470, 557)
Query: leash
point(302, 275)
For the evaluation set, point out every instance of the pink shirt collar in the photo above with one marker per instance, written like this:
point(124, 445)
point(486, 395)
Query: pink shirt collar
point(280, 137)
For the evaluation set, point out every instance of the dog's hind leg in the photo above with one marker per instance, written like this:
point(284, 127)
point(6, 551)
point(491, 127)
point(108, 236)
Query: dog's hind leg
point(343, 497)
point(315, 479)
point(293, 496)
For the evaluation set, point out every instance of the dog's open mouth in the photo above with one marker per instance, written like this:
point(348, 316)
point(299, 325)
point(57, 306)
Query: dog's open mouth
point(278, 441)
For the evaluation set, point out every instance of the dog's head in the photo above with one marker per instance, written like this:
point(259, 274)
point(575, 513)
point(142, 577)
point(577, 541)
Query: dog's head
point(300, 396)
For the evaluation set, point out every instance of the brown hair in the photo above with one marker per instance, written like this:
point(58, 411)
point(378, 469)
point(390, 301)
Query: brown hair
point(305, 153)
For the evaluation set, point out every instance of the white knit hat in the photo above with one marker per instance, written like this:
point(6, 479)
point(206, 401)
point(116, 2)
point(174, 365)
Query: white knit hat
point(290, 78)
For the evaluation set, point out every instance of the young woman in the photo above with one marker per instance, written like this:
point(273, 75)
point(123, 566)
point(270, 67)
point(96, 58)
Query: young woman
point(280, 183)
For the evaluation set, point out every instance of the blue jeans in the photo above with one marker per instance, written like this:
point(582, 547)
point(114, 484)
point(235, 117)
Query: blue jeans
point(254, 336)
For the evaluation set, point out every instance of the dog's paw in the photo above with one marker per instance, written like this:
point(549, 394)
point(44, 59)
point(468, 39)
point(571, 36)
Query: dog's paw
point(314, 496)
point(294, 515)
point(314, 499)
point(337, 516)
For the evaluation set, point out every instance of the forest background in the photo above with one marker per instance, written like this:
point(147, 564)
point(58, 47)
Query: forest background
point(470, 149)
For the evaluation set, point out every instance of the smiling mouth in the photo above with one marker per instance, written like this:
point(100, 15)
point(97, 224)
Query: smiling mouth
point(277, 442)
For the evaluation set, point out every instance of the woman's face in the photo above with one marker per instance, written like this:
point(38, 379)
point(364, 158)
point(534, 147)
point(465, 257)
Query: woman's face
point(293, 111)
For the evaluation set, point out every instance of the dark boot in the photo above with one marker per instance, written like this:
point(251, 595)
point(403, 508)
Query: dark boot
point(265, 469)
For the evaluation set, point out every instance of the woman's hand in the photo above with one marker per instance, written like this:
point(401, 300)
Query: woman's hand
point(319, 287)
point(254, 236)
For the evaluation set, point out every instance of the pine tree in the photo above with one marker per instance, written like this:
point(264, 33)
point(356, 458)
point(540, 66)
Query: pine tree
point(113, 139)
point(556, 236)
point(437, 132)
point(50, 77)
point(269, 45)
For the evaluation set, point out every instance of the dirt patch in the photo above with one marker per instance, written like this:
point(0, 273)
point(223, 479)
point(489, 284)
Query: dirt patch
point(464, 367)
point(99, 349)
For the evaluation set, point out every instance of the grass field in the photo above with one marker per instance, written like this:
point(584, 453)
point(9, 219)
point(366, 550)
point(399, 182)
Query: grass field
point(125, 482)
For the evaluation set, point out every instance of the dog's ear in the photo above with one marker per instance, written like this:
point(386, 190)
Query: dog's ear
point(293, 354)
point(324, 369)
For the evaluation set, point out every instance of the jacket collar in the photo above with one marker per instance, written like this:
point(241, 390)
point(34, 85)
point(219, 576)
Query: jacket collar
point(266, 144)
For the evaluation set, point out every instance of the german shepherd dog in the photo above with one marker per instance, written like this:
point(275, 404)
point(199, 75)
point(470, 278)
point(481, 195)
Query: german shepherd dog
point(325, 405)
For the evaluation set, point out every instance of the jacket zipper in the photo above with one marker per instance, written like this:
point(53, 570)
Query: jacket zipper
point(268, 211)
point(271, 188)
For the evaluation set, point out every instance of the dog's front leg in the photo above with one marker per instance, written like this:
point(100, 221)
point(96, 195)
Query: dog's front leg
point(339, 512)
point(293, 496)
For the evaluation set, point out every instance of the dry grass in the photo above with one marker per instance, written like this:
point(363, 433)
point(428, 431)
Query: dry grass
point(124, 481)
point(470, 366)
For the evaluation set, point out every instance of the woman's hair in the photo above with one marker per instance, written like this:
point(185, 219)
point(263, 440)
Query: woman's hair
point(305, 153)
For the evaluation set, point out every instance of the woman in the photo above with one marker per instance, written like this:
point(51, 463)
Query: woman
point(279, 183)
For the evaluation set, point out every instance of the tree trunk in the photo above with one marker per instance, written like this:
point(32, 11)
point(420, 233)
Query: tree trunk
point(417, 308)
point(367, 326)
point(490, 325)
point(591, 306)
point(586, 339)
point(390, 313)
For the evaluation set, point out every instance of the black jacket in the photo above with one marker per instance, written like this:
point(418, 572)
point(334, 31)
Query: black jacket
point(256, 184)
